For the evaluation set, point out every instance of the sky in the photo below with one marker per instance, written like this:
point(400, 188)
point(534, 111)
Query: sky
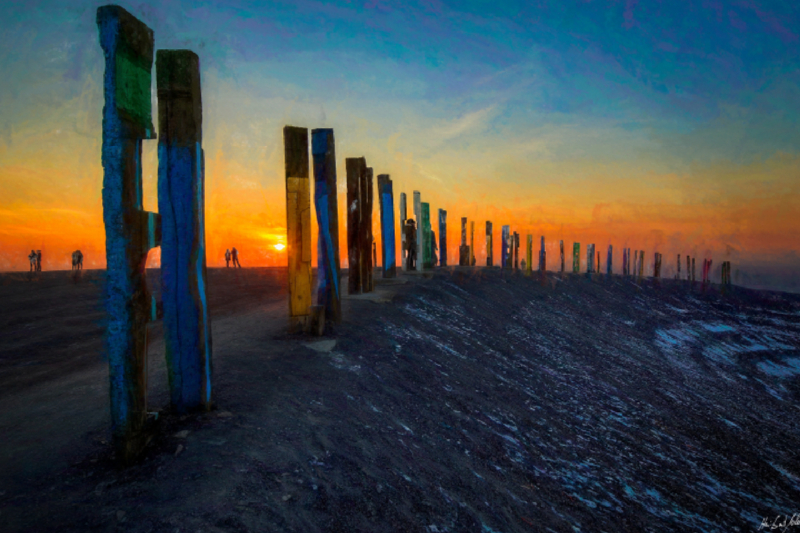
point(670, 127)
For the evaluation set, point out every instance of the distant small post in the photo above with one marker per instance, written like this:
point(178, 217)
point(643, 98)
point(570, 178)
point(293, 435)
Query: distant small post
point(463, 250)
point(641, 264)
point(489, 244)
point(354, 166)
point(442, 237)
point(403, 217)
point(542, 257)
point(427, 245)
point(608, 261)
point(388, 261)
point(505, 248)
point(529, 255)
point(420, 237)
point(471, 243)
point(516, 250)
point(561, 249)
point(365, 229)
point(576, 257)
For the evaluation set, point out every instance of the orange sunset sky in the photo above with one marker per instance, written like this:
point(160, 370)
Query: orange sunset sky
point(672, 130)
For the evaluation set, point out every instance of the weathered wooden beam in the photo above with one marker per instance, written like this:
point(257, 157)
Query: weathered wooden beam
point(542, 257)
point(463, 250)
point(298, 225)
point(403, 217)
point(181, 202)
point(471, 243)
point(576, 257)
point(442, 237)
point(389, 267)
point(529, 255)
point(353, 166)
point(130, 232)
point(610, 259)
point(365, 229)
point(323, 150)
point(427, 238)
point(505, 248)
point(489, 245)
point(420, 238)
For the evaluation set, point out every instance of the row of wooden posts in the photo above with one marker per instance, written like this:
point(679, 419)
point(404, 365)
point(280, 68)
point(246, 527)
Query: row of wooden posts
point(417, 236)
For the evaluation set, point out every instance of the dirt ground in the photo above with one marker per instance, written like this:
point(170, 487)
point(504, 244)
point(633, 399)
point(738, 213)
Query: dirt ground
point(464, 400)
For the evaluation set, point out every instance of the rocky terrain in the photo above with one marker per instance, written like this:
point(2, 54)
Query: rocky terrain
point(462, 400)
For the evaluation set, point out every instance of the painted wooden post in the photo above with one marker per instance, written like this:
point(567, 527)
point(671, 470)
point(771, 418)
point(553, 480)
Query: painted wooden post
point(471, 243)
point(576, 257)
point(403, 217)
point(427, 243)
point(542, 257)
point(130, 231)
point(298, 225)
point(434, 259)
point(589, 258)
point(365, 229)
point(181, 202)
point(610, 258)
point(388, 261)
point(641, 264)
point(489, 245)
point(463, 250)
point(354, 166)
point(561, 249)
point(529, 255)
point(597, 266)
point(624, 261)
point(323, 150)
point(420, 237)
point(505, 247)
point(442, 237)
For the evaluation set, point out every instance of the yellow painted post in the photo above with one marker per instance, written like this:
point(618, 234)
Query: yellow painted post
point(298, 225)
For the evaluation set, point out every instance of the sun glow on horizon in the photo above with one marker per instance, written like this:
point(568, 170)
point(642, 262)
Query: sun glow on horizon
point(280, 246)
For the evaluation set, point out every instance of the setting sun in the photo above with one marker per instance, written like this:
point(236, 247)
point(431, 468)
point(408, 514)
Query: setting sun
point(279, 246)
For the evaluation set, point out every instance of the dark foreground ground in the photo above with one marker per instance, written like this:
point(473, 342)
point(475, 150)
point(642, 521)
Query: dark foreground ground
point(467, 401)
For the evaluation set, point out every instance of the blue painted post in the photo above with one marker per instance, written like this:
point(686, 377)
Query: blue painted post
point(442, 237)
point(131, 232)
point(608, 261)
point(388, 262)
point(505, 261)
point(181, 202)
point(323, 150)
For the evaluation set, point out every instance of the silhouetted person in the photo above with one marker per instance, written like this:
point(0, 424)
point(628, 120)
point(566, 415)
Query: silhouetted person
point(32, 259)
point(77, 260)
point(38, 260)
point(227, 258)
point(235, 258)
point(411, 244)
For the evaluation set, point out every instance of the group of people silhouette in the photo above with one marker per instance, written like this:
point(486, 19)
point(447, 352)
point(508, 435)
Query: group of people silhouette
point(232, 255)
point(35, 258)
